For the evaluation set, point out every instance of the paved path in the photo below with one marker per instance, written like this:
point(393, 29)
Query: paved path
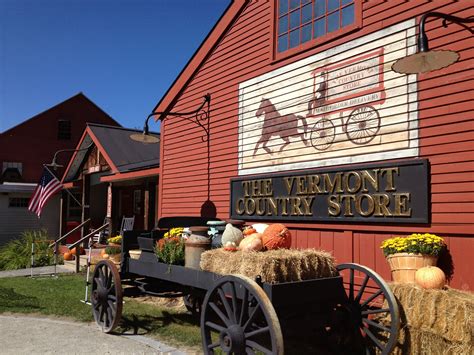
point(44, 270)
point(35, 335)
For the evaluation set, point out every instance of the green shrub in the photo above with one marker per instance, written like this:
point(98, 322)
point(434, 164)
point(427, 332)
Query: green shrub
point(16, 254)
point(112, 250)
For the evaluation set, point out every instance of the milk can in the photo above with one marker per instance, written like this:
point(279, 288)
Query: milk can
point(197, 243)
point(216, 228)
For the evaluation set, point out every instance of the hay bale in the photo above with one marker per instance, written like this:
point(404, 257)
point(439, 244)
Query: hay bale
point(273, 266)
point(434, 321)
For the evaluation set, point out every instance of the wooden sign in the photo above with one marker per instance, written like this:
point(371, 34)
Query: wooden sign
point(380, 193)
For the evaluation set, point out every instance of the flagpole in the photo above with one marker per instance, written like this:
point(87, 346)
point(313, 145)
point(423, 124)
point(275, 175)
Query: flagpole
point(70, 194)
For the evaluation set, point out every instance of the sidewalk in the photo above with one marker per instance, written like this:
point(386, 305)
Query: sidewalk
point(37, 335)
point(37, 271)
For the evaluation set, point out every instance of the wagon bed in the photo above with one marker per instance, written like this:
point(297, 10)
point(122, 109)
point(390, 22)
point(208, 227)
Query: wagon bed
point(241, 315)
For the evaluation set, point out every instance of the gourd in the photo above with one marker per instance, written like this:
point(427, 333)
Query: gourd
point(252, 243)
point(276, 236)
point(249, 231)
point(68, 256)
point(430, 277)
point(232, 234)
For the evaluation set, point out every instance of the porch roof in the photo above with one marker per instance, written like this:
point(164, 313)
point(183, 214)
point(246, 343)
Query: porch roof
point(121, 153)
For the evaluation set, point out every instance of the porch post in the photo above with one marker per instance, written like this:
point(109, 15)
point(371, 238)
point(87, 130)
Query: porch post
point(109, 207)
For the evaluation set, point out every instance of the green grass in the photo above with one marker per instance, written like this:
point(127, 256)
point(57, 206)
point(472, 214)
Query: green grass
point(61, 298)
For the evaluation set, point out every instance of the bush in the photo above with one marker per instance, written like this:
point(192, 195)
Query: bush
point(16, 254)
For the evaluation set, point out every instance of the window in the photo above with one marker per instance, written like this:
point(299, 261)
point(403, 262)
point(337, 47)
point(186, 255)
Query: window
point(12, 165)
point(64, 129)
point(301, 23)
point(18, 202)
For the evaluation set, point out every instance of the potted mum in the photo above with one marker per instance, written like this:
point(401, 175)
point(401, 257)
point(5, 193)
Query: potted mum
point(405, 255)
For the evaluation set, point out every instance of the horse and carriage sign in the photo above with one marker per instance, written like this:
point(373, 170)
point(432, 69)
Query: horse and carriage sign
point(340, 106)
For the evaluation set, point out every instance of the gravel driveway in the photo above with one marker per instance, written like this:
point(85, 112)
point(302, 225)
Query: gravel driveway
point(35, 335)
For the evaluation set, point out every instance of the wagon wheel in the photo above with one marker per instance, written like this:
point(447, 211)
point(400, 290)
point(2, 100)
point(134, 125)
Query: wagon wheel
point(238, 317)
point(193, 304)
point(373, 309)
point(106, 296)
point(323, 134)
point(363, 125)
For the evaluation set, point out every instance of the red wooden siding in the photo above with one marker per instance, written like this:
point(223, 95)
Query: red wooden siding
point(445, 130)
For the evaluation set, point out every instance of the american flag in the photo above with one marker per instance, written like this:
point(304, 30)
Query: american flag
point(47, 187)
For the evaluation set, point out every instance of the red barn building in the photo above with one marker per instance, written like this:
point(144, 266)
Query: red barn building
point(309, 125)
point(23, 151)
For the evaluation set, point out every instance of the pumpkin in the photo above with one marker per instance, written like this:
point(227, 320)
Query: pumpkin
point(252, 243)
point(430, 277)
point(249, 231)
point(105, 256)
point(81, 251)
point(102, 252)
point(232, 234)
point(68, 256)
point(276, 236)
point(260, 227)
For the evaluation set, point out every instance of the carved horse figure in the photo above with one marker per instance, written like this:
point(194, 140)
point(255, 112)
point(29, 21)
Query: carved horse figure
point(275, 124)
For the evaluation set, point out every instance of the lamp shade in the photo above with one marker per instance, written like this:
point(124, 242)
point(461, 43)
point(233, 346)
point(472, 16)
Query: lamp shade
point(144, 138)
point(423, 62)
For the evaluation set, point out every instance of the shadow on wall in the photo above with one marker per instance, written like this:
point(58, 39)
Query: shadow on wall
point(208, 209)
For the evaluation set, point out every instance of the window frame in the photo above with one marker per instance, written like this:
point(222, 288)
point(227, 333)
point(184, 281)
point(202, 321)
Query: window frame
point(315, 42)
point(61, 136)
point(18, 202)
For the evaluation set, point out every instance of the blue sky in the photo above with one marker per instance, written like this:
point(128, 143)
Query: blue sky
point(122, 54)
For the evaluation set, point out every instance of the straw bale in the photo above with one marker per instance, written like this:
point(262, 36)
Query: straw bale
point(273, 266)
point(434, 321)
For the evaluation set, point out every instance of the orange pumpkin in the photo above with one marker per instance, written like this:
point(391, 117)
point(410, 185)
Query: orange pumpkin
point(249, 231)
point(276, 236)
point(68, 256)
point(81, 251)
point(430, 277)
point(252, 243)
point(105, 256)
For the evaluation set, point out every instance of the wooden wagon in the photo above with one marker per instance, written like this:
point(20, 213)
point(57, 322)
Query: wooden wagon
point(354, 311)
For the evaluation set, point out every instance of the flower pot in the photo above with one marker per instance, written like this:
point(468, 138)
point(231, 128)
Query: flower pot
point(405, 265)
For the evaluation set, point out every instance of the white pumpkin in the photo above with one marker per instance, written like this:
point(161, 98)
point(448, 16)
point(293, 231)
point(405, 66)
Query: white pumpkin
point(232, 234)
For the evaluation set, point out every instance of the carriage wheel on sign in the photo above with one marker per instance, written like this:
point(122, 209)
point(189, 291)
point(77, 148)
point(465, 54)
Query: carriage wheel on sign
point(238, 317)
point(323, 134)
point(363, 125)
point(372, 307)
point(106, 296)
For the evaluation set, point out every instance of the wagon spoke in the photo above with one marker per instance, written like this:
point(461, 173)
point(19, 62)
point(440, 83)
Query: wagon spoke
point(244, 306)
point(376, 311)
point(212, 346)
point(234, 301)
point(351, 285)
point(373, 338)
point(254, 312)
point(220, 314)
point(371, 298)
point(256, 332)
point(258, 347)
point(362, 288)
point(230, 313)
point(215, 326)
point(112, 298)
point(375, 324)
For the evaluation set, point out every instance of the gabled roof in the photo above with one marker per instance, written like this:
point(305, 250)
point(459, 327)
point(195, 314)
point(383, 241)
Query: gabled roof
point(199, 57)
point(121, 153)
point(79, 95)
